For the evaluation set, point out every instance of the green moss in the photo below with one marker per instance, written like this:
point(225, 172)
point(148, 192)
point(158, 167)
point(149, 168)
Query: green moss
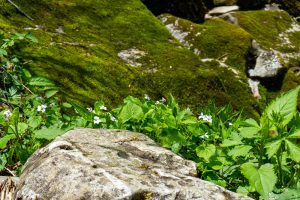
point(266, 27)
point(84, 60)
point(217, 39)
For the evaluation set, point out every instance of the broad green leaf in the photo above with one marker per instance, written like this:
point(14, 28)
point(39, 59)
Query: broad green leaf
point(34, 121)
point(50, 93)
point(190, 120)
point(242, 190)
point(22, 127)
point(241, 150)
point(40, 81)
point(273, 147)
point(31, 38)
point(48, 133)
point(206, 152)
point(15, 117)
point(3, 52)
point(66, 105)
point(131, 111)
point(229, 143)
point(293, 150)
point(295, 135)
point(262, 179)
point(250, 123)
point(176, 148)
point(4, 140)
point(285, 106)
point(288, 194)
point(249, 132)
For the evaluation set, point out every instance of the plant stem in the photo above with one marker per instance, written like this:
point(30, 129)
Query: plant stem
point(279, 160)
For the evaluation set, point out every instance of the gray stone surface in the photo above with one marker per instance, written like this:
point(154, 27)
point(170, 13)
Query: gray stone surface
point(111, 164)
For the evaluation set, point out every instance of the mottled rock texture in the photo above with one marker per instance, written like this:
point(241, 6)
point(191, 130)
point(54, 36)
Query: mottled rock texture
point(110, 164)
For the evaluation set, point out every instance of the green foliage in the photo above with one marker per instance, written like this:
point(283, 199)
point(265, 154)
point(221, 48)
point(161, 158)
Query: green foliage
point(257, 158)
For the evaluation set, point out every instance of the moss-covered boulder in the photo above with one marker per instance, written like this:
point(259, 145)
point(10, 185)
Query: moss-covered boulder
point(111, 49)
point(277, 36)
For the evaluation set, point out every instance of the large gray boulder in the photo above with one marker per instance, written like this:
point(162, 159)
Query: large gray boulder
point(111, 164)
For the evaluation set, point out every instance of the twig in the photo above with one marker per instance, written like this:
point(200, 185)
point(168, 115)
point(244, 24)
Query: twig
point(13, 174)
point(19, 9)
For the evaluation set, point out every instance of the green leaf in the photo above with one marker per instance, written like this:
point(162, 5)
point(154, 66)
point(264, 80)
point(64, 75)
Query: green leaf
point(242, 190)
point(295, 135)
point(4, 140)
point(285, 106)
point(229, 143)
point(22, 127)
point(262, 179)
point(293, 150)
point(50, 93)
point(249, 132)
point(41, 81)
point(15, 117)
point(241, 150)
point(3, 52)
point(34, 121)
point(273, 147)
point(31, 38)
point(66, 105)
point(48, 133)
point(131, 111)
point(206, 152)
point(83, 112)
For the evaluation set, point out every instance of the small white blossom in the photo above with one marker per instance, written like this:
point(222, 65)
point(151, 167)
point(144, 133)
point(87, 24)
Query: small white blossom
point(157, 102)
point(103, 108)
point(38, 98)
point(41, 108)
point(163, 100)
point(7, 114)
point(206, 118)
point(188, 109)
point(113, 119)
point(97, 120)
point(147, 97)
point(230, 124)
point(90, 109)
point(204, 136)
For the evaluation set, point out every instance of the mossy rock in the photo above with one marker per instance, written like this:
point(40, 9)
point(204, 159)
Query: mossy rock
point(78, 48)
point(215, 39)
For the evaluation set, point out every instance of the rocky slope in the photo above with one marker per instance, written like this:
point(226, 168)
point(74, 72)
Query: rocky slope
point(111, 49)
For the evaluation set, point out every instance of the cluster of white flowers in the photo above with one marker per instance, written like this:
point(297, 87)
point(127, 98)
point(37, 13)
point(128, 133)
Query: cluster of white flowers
point(97, 120)
point(206, 118)
point(147, 97)
point(103, 108)
point(7, 114)
point(113, 119)
point(163, 100)
point(205, 135)
point(41, 108)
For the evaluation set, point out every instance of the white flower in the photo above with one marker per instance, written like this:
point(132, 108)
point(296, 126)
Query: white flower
point(113, 119)
point(90, 109)
point(188, 109)
point(206, 118)
point(205, 135)
point(103, 108)
point(97, 120)
point(41, 108)
point(157, 103)
point(163, 100)
point(230, 124)
point(38, 98)
point(147, 97)
point(7, 114)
